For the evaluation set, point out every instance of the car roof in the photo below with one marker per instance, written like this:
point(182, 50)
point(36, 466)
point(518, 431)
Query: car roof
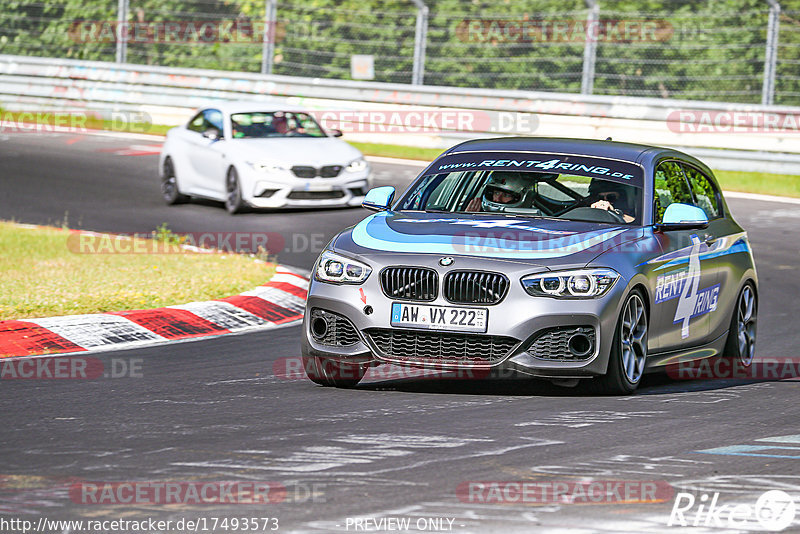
point(642, 154)
point(230, 107)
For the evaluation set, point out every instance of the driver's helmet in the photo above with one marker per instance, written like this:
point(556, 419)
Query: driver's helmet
point(510, 184)
point(615, 193)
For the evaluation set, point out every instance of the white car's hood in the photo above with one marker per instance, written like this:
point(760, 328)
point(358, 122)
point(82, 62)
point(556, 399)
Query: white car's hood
point(314, 151)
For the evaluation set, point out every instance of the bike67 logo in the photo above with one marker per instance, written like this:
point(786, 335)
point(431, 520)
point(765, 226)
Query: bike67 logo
point(773, 511)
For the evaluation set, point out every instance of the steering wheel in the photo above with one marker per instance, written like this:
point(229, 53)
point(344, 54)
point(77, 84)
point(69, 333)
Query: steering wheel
point(583, 203)
point(584, 213)
point(616, 214)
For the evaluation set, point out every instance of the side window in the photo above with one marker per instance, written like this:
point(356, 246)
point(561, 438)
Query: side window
point(452, 188)
point(670, 186)
point(415, 200)
point(197, 123)
point(705, 193)
point(214, 118)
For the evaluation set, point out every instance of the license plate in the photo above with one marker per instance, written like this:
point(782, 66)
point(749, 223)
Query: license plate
point(439, 317)
point(311, 186)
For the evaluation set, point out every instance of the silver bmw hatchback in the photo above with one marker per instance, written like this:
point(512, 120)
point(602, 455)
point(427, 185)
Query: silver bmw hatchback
point(562, 259)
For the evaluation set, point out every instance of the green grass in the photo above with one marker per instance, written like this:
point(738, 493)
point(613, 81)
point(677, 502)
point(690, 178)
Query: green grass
point(43, 275)
point(397, 151)
point(783, 185)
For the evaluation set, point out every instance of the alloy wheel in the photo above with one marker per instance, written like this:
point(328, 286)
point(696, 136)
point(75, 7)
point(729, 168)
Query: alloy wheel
point(633, 338)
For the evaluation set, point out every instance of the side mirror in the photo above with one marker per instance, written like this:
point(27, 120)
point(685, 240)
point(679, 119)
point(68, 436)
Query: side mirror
point(335, 133)
point(379, 198)
point(679, 216)
point(212, 134)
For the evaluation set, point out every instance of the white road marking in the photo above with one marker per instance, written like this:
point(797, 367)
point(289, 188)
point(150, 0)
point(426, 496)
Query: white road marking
point(579, 419)
point(369, 449)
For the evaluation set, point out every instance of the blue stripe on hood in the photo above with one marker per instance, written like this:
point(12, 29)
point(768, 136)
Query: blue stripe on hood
point(375, 233)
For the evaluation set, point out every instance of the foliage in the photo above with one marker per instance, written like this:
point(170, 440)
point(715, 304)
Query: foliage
point(708, 50)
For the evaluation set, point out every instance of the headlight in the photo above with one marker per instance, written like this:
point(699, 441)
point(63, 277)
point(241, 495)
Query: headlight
point(267, 167)
point(582, 283)
point(332, 267)
point(358, 165)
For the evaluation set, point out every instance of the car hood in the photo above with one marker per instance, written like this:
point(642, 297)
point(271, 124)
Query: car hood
point(544, 242)
point(314, 151)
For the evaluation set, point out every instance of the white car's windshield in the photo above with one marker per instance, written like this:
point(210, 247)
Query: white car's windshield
point(566, 196)
point(274, 124)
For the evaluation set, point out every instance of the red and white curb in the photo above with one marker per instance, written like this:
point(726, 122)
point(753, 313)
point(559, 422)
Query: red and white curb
point(281, 301)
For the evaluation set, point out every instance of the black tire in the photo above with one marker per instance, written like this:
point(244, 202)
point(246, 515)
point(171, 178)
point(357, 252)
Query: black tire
point(327, 372)
point(741, 343)
point(169, 185)
point(233, 193)
point(628, 350)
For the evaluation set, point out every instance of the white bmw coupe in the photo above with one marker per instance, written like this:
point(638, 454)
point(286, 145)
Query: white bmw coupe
point(261, 156)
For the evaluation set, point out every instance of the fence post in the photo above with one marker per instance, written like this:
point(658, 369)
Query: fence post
point(590, 47)
point(268, 45)
point(771, 54)
point(122, 22)
point(420, 41)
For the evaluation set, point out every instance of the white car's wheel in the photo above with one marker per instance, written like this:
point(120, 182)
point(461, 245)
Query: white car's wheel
point(233, 193)
point(169, 184)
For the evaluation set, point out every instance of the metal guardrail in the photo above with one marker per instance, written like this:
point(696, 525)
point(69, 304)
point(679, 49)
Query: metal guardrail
point(167, 94)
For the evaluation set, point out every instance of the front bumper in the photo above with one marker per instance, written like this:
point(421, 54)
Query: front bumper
point(519, 316)
point(285, 190)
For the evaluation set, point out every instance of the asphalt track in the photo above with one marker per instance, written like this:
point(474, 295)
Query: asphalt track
point(225, 409)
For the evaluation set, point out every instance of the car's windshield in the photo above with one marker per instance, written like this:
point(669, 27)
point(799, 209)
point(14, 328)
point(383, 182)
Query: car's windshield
point(526, 193)
point(274, 124)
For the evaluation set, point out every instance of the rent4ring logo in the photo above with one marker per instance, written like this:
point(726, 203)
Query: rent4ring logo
point(684, 285)
point(773, 511)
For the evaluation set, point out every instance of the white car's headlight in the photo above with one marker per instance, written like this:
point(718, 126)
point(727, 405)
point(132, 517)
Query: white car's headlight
point(581, 283)
point(267, 167)
point(332, 267)
point(357, 165)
